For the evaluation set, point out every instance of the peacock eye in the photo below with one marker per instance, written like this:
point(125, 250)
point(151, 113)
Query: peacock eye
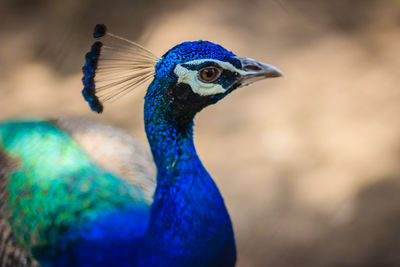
point(209, 74)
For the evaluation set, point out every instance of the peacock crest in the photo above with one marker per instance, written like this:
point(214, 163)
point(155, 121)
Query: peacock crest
point(114, 66)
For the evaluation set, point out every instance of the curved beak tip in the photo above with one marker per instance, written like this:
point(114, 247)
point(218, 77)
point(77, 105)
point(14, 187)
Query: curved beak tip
point(272, 72)
point(268, 71)
point(258, 69)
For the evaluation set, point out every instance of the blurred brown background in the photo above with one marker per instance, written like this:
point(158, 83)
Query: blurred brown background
point(309, 165)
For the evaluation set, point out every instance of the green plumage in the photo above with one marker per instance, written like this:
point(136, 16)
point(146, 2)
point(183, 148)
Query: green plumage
point(55, 184)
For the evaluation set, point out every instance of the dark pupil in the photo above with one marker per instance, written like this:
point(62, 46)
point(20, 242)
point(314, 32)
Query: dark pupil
point(209, 73)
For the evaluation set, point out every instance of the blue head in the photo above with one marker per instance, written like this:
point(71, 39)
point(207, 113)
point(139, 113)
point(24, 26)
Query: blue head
point(193, 75)
point(187, 78)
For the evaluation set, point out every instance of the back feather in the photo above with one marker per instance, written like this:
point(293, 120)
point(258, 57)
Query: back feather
point(58, 194)
point(11, 254)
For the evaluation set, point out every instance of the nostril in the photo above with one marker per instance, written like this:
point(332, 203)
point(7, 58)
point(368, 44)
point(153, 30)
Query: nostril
point(252, 68)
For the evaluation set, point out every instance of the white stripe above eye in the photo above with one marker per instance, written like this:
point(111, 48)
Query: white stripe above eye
point(190, 77)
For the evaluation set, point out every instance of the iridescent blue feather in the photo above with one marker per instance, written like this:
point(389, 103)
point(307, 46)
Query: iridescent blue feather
point(89, 72)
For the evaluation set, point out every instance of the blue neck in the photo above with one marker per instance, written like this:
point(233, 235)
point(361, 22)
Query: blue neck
point(189, 222)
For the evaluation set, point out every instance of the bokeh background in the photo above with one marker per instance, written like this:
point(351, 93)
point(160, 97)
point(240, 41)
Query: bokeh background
point(309, 166)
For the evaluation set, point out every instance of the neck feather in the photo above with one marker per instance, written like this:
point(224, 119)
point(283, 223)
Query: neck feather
point(171, 142)
point(188, 212)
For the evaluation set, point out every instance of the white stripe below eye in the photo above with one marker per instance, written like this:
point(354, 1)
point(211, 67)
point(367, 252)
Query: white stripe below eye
point(190, 77)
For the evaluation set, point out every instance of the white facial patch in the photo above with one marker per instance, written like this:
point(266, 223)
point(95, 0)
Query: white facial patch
point(190, 77)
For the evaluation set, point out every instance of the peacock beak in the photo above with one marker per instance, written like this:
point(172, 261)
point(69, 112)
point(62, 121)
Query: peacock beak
point(254, 70)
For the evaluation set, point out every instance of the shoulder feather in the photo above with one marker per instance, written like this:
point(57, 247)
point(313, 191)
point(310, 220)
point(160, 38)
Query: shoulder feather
point(115, 150)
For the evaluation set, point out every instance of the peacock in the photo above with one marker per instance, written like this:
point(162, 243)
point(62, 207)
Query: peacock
point(76, 192)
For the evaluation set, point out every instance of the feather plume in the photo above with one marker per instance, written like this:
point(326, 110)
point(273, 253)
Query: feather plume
point(114, 67)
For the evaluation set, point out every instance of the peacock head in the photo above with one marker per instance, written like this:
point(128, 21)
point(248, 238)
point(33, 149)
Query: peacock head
point(187, 78)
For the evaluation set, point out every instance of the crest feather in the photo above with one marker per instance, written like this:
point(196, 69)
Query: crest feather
point(114, 66)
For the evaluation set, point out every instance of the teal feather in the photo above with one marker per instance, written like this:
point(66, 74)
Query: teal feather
point(55, 184)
